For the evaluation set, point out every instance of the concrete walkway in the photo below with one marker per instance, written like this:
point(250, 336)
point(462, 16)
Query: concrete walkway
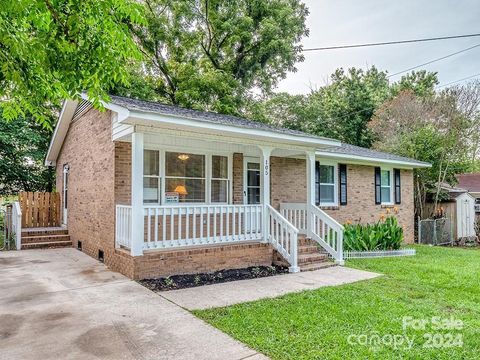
point(236, 292)
point(62, 304)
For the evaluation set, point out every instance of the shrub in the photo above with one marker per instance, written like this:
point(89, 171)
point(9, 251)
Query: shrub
point(386, 234)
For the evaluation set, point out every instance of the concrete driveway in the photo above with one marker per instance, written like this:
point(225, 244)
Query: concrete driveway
point(62, 304)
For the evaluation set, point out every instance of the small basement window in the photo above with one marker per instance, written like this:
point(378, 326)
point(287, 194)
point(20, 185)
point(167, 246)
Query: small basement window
point(79, 245)
point(100, 255)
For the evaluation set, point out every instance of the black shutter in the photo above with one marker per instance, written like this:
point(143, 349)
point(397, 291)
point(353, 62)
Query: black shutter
point(398, 190)
point(317, 182)
point(342, 169)
point(378, 189)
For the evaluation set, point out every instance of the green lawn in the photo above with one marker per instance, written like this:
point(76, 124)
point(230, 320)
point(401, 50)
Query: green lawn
point(437, 282)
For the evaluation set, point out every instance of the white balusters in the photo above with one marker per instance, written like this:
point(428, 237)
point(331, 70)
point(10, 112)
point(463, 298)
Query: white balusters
point(283, 236)
point(187, 225)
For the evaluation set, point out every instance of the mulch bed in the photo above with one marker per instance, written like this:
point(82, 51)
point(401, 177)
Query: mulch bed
point(186, 281)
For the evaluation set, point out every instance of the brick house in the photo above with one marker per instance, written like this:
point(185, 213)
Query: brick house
point(156, 190)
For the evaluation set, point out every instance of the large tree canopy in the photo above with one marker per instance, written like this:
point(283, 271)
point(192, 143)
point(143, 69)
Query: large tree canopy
point(54, 49)
point(23, 145)
point(209, 54)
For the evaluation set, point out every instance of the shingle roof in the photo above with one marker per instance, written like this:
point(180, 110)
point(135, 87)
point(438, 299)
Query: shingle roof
point(207, 116)
point(348, 149)
point(469, 182)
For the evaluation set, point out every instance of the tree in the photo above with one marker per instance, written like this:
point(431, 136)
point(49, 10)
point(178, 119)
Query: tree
point(430, 129)
point(343, 108)
point(23, 145)
point(51, 50)
point(212, 54)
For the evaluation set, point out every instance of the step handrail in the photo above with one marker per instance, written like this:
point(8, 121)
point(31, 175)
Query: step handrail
point(326, 231)
point(283, 236)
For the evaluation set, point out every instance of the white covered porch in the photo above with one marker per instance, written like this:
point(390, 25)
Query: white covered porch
point(202, 208)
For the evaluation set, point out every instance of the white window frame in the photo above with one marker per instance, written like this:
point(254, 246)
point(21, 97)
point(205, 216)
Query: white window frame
point(335, 182)
point(158, 177)
point(227, 179)
point(391, 202)
point(208, 173)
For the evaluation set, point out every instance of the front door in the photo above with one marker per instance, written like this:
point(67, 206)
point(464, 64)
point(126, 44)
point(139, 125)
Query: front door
point(251, 191)
point(65, 194)
point(251, 181)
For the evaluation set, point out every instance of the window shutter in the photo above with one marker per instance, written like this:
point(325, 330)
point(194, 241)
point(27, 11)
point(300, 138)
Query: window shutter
point(378, 192)
point(398, 190)
point(317, 182)
point(342, 169)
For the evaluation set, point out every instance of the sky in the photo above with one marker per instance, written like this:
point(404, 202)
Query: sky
point(343, 22)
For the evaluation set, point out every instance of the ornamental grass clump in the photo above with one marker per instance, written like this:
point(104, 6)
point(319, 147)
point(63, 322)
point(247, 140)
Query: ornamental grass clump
point(386, 234)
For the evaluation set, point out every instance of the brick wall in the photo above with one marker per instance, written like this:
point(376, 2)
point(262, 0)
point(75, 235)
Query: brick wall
point(288, 184)
point(201, 260)
point(123, 173)
point(237, 178)
point(89, 151)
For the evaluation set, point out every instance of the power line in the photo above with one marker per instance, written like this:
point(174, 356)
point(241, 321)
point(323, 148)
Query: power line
point(434, 60)
point(391, 42)
point(457, 81)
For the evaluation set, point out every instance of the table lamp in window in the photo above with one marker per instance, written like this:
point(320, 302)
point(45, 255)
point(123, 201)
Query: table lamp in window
point(181, 190)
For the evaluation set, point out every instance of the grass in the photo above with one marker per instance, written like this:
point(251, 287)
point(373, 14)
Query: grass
point(437, 282)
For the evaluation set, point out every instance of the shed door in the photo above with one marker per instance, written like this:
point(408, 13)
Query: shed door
point(465, 216)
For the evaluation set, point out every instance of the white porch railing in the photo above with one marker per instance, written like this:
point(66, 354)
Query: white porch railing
point(190, 225)
point(123, 226)
point(323, 228)
point(326, 231)
point(283, 236)
point(296, 214)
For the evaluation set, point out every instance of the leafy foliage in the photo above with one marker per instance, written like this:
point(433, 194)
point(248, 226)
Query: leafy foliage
point(210, 54)
point(52, 50)
point(343, 109)
point(385, 234)
point(23, 145)
point(432, 129)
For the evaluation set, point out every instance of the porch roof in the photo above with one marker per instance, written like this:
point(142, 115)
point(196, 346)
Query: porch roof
point(206, 116)
point(360, 154)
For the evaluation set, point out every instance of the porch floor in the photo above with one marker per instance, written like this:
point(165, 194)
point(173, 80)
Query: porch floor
point(236, 292)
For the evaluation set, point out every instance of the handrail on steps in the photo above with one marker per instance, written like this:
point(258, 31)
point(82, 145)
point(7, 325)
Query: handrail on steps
point(283, 236)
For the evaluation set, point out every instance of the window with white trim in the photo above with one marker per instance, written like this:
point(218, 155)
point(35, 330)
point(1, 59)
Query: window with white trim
point(188, 178)
point(185, 175)
point(151, 177)
point(219, 182)
point(326, 179)
point(386, 186)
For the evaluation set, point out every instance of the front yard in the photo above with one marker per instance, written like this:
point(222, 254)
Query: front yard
point(366, 319)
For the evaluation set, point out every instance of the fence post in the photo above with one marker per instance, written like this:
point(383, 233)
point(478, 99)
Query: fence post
point(419, 230)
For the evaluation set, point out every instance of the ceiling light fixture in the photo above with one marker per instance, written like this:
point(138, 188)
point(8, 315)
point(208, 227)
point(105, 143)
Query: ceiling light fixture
point(183, 157)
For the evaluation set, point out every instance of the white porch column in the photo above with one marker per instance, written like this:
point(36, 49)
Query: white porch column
point(265, 186)
point(310, 160)
point(137, 195)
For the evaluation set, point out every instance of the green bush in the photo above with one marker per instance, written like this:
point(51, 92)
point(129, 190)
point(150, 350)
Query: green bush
point(383, 235)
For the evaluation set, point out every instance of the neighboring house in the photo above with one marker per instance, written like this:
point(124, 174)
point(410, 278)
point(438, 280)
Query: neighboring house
point(156, 190)
point(471, 183)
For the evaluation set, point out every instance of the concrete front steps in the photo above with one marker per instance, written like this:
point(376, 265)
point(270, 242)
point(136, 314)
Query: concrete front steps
point(311, 256)
point(45, 238)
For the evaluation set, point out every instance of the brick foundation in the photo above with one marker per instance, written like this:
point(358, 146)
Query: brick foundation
point(201, 260)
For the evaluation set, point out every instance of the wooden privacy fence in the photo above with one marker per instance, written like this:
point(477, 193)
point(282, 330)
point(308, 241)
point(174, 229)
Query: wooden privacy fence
point(40, 209)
